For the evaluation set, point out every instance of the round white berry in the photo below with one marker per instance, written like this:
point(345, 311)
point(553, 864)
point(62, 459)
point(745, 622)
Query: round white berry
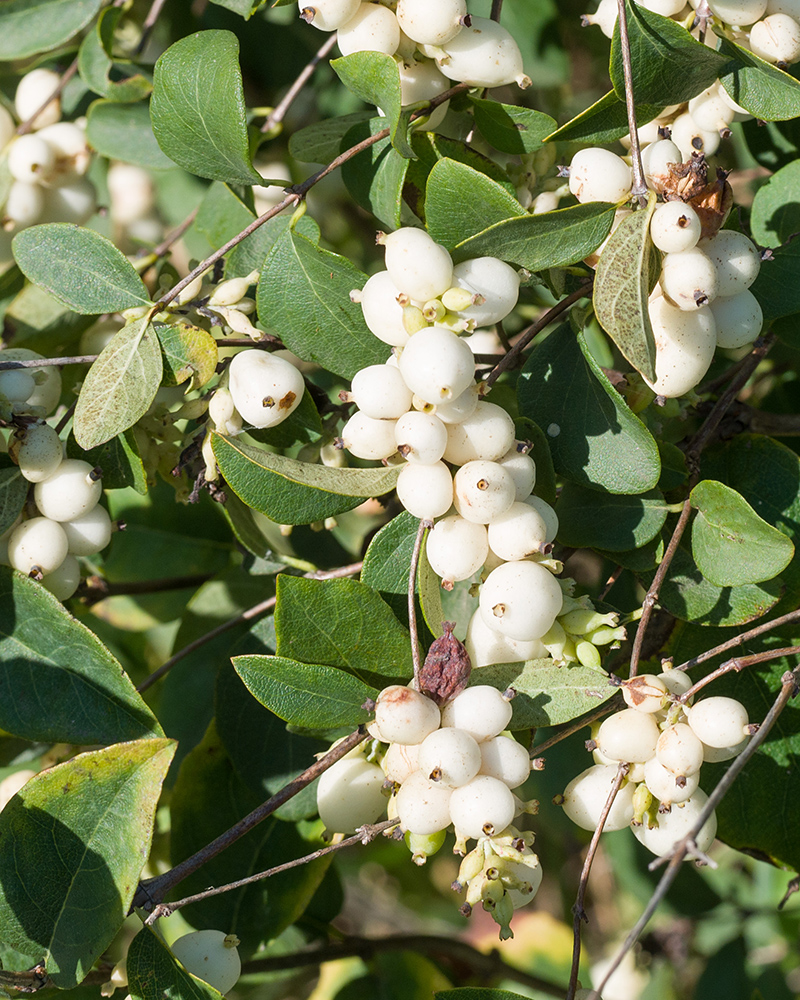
point(64, 580)
point(679, 750)
point(505, 759)
point(628, 736)
point(131, 191)
point(367, 438)
point(423, 806)
point(586, 795)
point(16, 384)
point(483, 807)
point(492, 279)
point(24, 204)
point(666, 785)
point(328, 15)
point(645, 693)
point(431, 23)
point(437, 365)
point(672, 826)
point(486, 434)
point(451, 756)
point(484, 55)
point(383, 314)
point(456, 548)
point(548, 514)
point(420, 437)
point(482, 491)
point(90, 533)
point(32, 91)
point(70, 492)
point(75, 203)
point(403, 715)
point(372, 28)
point(426, 491)
point(380, 392)
point(676, 681)
point(349, 794)
point(689, 279)
point(460, 408)
point(422, 81)
point(223, 414)
point(30, 158)
point(690, 138)
point(738, 318)
point(40, 453)
point(480, 710)
point(739, 12)
point(685, 345)
point(718, 721)
point(522, 470)
point(211, 956)
point(416, 264)
point(47, 390)
point(675, 227)
point(519, 532)
point(400, 760)
point(597, 174)
point(38, 543)
point(714, 755)
point(776, 39)
point(72, 154)
point(657, 156)
point(486, 646)
point(710, 111)
point(736, 259)
point(265, 389)
point(521, 600)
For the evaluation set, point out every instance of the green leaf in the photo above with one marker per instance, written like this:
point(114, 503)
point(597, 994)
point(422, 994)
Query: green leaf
point(208, 799)
point(387, 561)
point(731, 544)
point(775, 215)
point(154, 973)
point(622, 288)
point(292, 492)
point(604, 121)
point(767, 92)
point(31, 26)
point(376, 176)
point(343, 623)
point(120, 385)
point(461, 201)
point(304, 294)
point(594, 438)
point(47, 658)
point(375, 78)
point(545, 485)
point(310, 695)
point(81, 268)
point(777, 286)
point(187, 352)
point(95, 62)
point(73, 843)
point(547, 695)
point(119, 459)
point(617, 523)
point(13, 494)
point(322, 141)
point(537, 242)
point(198, 109)
point(125, 132)
point(670, 66)
point(509, 128)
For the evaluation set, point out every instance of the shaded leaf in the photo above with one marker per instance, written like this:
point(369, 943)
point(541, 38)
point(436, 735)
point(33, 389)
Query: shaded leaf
point(777, 286)
point(595, 439)
point(31, 26)
point(617, 523)
point(775, 215)
point(198, 109)
point(154, 973)
point(119, 460)
point(509, 128)
point(125, 132)
point(304, 294)
point(120, 385)
point(376, 176)
point(95, 62)
point(73, 843)
point(81, 268)
point(322, 141)
point(767, 92)
point(187, 352)
point(375, 78)
point(387, 561)
point(461, 201)
point(622, 288)
point(313, 696)
point(292, 492)
point(13, 493)
point(58, 682)
point(604, 121)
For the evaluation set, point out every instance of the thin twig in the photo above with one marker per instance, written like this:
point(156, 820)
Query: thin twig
point(738, 640)
point(66, 417)
point(170, 238)
point(278, 113)
point(497, 6)
point(367, 835)
point(66, 76)
point(789, 683)
point(489, 967)
point(615, 575)
point(578, 911)
point(255, 612)
point(152, 891)
point(737, 663)
point(573, 727)
point(412, 595)
point(510, 359)
point(297, 192)
point(75, 359)
point(149, 24)
point(639, 188)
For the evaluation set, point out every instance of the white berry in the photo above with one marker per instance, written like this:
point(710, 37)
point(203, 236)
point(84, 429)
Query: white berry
point(486, 434)
point(505, 759)
point(328, 15)
point(416, 264)
point(736, 259)
point(679, 750)
point(211, 956)
point(64, 580)
point(383, 314)
point(675, 227)
point(32, 91)
point(456, 548)
point(483, 807)
point(451, 756)
point(586, 795)
point(265, 389)
point(628, 736)
point(521, 599)
point(403, 715)
point(349, 794)
point(597, 174)
point(672, 826)
point(70, 492)
point(486, 646)
point(776, 39)
point(495, 281)
point(39, 543)
point(666, 786)
point(481, 710)
point(423, 806)
point(718, 721)
point(519, 532)
point(739, 319)
point(484, 55)
point(372, 28)
point(482, 491)
point(40, 453)
point(685, 345)
point(426, 491)
point(431, 23)
point(90, 533)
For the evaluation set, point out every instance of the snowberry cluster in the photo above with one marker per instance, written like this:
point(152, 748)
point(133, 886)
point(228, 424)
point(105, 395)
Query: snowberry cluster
point(445, 767)
point(46, 166)
point(68, 521)
point(435, 44)
point(664, 742)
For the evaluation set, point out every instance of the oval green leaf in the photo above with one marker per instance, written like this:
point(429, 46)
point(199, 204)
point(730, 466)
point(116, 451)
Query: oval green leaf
point(509, 128)
point(767, 92)
point(461, 201)
point(622, 289)
point(310, 695)
point(594, 438)
point(80, 268)
point(375, 177)
point(375, 78)
point(13, 493)
point(187, 352)
point(198, 110)
point(73, 843)
point(31, 26)
point(292, 492)
point(604, 121)
point(120, 385)
point(617, 523)
point(58, 682)
point(124, 132)
point(775, 216)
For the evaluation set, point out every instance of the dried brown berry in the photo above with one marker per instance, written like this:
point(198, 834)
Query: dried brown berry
point(446, 669)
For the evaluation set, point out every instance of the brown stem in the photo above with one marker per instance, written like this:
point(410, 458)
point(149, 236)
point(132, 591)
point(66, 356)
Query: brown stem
point(149, 24)
point(738, 640)
point(578, 911)
point(172, 237)
point(497, 6)
point(488, 966)
point(789, 683)
point(66, 417)
point(277, 115)
point(737, 663)
point(412, 594)
point(368, 833)
point(152, 891)
point(255, 612)
point(66, 76)
point(639, 188)
point(75, 359)
point(510, 359)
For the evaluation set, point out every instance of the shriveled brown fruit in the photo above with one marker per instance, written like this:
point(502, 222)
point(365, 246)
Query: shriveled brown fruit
point(446, 669)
